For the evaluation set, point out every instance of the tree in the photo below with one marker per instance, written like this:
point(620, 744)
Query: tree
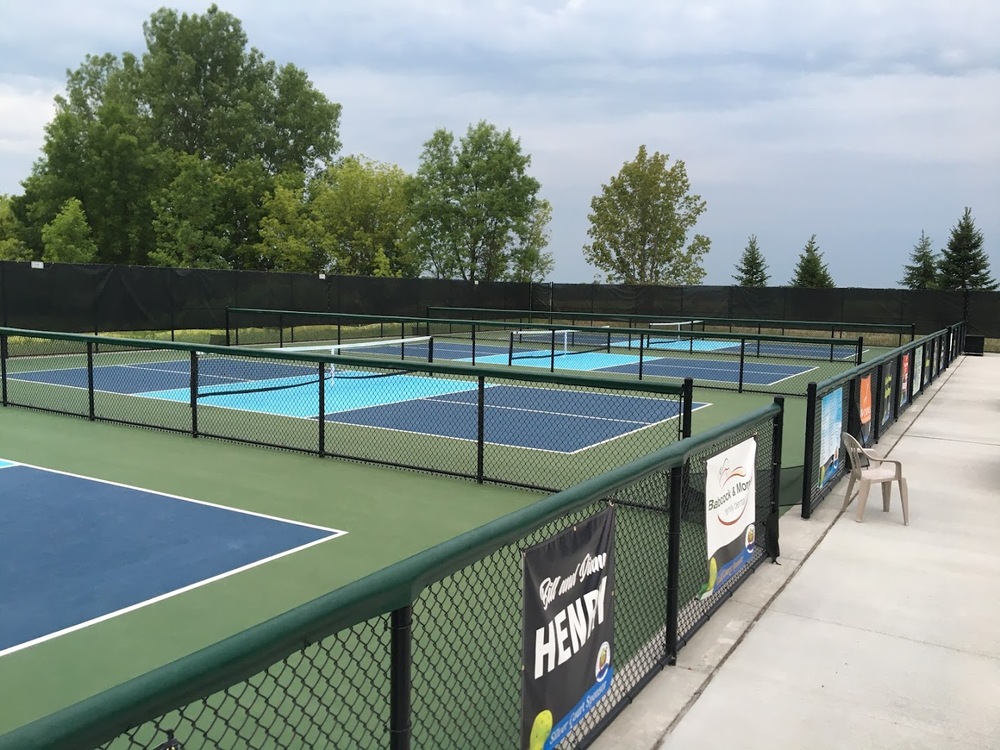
point(529, 261)
point(67, 237)
point(752, 268)
point(474, 203)
point(11, 245)
point(810, 271)
point(921, 272)
point(125, 130)
point(964, 264)
point(640, 222)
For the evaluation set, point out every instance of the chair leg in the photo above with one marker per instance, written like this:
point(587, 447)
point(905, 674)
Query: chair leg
point(863, 489)
point(905, 501)
point(850, 489)
point(886, 494)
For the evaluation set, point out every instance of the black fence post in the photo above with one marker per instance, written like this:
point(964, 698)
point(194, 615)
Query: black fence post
point(687, 407)
point(879, 397)
point(772, 547)
point(194, 393)
point(861, 351)
point(807, 458)
point(743, 359)
point(90, 380)
point(481, 430)
point(228, 340)
point(400, 679)
point(673, 562)
point(3, 363)
point(322, 409)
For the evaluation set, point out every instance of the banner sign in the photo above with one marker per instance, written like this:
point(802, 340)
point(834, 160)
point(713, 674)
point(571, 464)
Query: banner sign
point(904, 379)
point(865, 409)
point(888, 381)
point(730, 512)
point(568, 629)
point(918, 368)
point(831, 424)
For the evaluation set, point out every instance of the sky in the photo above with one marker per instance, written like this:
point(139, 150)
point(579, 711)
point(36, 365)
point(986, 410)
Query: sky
point(863, 122)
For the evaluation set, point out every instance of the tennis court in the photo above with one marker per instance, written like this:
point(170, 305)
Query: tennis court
point(547, 419)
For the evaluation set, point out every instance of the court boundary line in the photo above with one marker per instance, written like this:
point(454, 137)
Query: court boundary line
point(331, 534)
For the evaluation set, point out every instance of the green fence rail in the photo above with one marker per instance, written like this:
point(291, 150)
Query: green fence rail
point(650, 353)
point(426, 653)
point(898, 332)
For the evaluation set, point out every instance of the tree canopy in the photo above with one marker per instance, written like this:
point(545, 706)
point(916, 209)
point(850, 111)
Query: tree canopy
point(171, 154)
point(477, 214)
point(964, 263)
point(810, 270)
point(751, 270)
point(921, 272)
point(639, 224)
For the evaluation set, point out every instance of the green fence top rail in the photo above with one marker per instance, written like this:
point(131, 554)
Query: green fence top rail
point(99, 719)
point(830, 383)
point(508, 325)
point(500, 372)
point(875, 327)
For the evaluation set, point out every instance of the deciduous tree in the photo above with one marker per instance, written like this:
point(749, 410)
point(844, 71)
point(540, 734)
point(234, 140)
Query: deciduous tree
point(67, 237)
point(639, 224)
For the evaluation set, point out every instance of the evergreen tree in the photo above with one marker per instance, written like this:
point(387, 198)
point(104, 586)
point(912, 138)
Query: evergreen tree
point(752, 268)
point(921, 273)
point(811, 271)
point(964, 264)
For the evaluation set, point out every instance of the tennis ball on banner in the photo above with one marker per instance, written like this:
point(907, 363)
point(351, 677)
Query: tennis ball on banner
point(713, 573)
point(540, 730)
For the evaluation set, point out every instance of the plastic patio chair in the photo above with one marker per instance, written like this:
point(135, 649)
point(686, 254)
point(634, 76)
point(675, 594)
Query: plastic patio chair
point(876, 470)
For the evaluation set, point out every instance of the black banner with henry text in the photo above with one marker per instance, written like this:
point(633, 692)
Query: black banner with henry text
point(568, 629)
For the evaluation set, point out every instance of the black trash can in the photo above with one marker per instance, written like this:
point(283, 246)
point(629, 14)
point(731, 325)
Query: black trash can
point(974, 345)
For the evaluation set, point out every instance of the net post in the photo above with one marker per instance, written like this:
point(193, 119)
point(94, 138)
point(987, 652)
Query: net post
point(281, 330)
point(430, 350)
point(687, 407)
point(643, 342)
point(227, 328)
point(473, 344)
point(3, 366)
point(400, 680)
point(807, 458)
point(480, 428)
point(194, 393)
point(552, 352)
point(90, 380)
point(673, 562)
point(322, 409)
point(510, 348)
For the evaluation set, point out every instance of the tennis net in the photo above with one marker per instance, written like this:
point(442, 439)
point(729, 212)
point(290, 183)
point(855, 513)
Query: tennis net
point(420, 348)
point(538, 344)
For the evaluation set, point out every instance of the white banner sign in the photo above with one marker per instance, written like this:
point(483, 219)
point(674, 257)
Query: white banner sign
point(730, 505)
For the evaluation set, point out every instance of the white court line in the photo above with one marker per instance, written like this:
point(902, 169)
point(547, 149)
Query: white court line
point(333, 534)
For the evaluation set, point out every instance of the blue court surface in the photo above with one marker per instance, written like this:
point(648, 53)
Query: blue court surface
point(75, 551)
point(562, 421)
point(717, 370)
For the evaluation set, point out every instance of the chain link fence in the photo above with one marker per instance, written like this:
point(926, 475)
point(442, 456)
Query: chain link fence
point(427, 653)
point(865, 402)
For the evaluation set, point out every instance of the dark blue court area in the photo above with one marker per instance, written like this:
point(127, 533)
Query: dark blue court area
point(538, 418)
point(74, 551)
point(718, 370)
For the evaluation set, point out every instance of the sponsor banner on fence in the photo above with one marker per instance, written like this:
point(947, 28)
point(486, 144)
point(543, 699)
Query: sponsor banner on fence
point(865, 409)
point(918, 368)
point(888, 388)
point(730, 512)
point(904, 379)
point(831, 424)
point(568, 629)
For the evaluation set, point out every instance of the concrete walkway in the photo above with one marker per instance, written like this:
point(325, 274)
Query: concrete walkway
point(871, 635)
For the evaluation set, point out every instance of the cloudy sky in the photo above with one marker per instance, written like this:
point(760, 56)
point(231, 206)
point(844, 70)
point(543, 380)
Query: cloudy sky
point(863, 122)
